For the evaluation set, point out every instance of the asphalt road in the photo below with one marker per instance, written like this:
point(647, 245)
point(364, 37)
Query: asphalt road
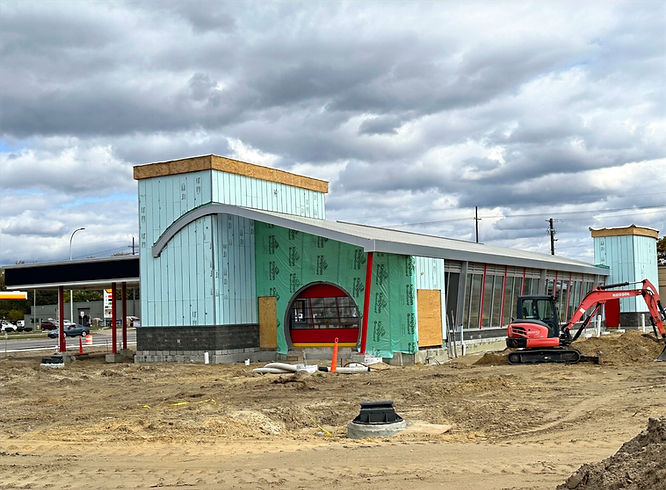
point(101, 338)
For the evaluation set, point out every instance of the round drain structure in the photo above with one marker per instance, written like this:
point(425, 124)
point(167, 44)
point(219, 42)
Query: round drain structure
point(376, 419)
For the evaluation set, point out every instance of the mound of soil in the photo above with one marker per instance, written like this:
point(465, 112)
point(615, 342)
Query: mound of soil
point(493, 359)
point(631, 347)
point(638, 464)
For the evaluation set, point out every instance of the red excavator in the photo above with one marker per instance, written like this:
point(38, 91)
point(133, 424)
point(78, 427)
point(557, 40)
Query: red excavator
point(536, 331)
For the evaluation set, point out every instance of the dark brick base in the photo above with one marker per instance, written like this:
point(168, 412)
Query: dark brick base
point(198, 338)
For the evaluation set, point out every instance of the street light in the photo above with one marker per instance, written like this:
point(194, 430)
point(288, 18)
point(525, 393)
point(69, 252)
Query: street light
point(71, 293)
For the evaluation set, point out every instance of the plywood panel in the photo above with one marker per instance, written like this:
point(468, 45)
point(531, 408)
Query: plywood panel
point(429, 317)
point(267, 322)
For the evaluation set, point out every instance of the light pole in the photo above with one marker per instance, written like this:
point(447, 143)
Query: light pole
point(71, 293)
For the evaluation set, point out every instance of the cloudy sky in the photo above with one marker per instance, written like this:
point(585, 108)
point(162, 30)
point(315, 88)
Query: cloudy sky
point(416, 112)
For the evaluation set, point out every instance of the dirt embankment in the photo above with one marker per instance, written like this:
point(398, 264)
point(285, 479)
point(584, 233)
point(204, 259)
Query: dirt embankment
point(638, 464)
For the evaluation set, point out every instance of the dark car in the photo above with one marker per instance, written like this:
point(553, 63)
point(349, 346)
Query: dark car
point(48, 325)
point(72, 331)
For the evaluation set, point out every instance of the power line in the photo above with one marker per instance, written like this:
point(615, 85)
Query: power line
point(532, 215)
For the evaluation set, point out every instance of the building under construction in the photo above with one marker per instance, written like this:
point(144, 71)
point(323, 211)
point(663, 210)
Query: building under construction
point(238, 260)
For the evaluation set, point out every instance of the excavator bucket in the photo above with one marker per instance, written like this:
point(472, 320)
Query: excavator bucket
point(662, 357)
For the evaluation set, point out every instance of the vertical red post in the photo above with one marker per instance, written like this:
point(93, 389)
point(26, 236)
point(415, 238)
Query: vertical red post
point(566, 315)
point(522, 286)
point(366, 302)
point(124, 292)
point(506, 268)
point(62, 342)
point(483, 294)
point(114, 348)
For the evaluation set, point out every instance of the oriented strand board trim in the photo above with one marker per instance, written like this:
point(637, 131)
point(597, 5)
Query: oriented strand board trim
point(222, 164)
point(627, 230)
point(267, 322)
point(429, 317)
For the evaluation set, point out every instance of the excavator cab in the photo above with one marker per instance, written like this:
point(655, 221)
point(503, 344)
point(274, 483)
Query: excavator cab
point(539, 309)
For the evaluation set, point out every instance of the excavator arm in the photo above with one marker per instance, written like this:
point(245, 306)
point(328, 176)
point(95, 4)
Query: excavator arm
point(602, 294)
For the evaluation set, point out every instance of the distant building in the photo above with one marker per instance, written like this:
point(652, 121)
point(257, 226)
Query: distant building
point(239, 261)
point(630, 252)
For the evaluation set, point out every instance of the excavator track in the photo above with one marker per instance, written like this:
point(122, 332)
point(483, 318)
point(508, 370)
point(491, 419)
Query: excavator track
point(536, 356)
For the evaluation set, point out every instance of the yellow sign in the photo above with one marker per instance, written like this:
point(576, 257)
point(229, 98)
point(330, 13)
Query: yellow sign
point(13, 295)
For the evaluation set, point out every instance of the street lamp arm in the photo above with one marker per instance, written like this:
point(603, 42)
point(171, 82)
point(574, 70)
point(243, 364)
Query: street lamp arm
point(70, 240)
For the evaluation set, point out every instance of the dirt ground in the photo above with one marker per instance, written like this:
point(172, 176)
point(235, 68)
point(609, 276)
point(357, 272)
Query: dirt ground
point(474, 422)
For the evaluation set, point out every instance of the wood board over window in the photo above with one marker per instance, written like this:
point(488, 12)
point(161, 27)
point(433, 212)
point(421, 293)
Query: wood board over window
point(429, 314)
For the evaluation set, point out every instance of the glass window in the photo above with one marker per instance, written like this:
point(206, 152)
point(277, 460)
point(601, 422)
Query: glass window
point(496, 321)
point(335, 312)
point(509, 300)
point(487, 301)
point(451, 296)
point(473, 300)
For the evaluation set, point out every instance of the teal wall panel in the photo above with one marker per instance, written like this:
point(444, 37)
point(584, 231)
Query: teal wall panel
point(630, 258)
point(240, 190)
point(645, 264)
point(429, 274)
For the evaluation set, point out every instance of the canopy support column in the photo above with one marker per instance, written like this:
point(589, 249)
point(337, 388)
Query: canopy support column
point(114, 347)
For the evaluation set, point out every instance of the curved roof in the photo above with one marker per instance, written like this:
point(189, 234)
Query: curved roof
point(374, 239)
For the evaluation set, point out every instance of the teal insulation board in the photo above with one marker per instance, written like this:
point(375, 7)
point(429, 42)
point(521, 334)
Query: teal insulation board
point(288, 260)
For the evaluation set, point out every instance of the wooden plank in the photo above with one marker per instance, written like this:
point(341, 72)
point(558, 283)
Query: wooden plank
point(429, 317)
point(231, 166)
point(267, 322)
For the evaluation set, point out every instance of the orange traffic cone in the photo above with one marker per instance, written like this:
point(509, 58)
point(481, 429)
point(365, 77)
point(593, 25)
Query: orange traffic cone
point(334, 361)
point(80, 346)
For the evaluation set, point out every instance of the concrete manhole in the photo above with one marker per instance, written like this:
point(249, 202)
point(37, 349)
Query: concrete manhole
point(376, 419)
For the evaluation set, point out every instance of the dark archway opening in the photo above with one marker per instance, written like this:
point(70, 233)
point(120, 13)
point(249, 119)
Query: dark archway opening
point(320, 313)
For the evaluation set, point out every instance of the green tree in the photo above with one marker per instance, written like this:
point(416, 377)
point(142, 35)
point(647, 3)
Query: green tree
point(661, 250)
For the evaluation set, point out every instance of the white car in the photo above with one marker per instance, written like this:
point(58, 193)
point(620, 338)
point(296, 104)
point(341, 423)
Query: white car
point(8, 327)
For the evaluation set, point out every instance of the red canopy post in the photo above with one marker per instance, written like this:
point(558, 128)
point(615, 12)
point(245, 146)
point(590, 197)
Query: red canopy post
point(366, 302)
point(124, 293)
point(114, 348)
point(62, 342)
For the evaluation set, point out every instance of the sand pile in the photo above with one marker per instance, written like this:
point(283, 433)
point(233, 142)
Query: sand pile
point(639, 464)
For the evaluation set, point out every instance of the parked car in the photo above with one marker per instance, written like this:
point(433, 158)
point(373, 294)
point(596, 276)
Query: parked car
point(48, 325)
point(71, 331)
point(8, 326)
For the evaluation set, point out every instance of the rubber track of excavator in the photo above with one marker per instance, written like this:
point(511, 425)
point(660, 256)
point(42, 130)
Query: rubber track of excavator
point(536, 356)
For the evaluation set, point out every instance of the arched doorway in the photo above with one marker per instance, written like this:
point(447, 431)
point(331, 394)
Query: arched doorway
point(320, 313)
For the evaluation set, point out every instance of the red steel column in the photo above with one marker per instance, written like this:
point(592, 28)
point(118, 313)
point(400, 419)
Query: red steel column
point(114, 348)
point(566, 315)
point(506, 268)
point(483, 294)
point(366, 302)
point(522, 286)
point(124, 289)
point(62, 342)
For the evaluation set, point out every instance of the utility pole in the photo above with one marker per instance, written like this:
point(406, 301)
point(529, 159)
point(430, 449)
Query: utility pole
point(476, 219)
point(551, 230)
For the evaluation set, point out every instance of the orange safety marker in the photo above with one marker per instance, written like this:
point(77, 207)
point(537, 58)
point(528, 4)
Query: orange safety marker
point(80, 346)
point(334, 361)
point(89, 339)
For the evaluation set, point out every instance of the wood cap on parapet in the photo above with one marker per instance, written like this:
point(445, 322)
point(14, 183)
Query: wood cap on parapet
point(222, 164)
point(625, 231)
